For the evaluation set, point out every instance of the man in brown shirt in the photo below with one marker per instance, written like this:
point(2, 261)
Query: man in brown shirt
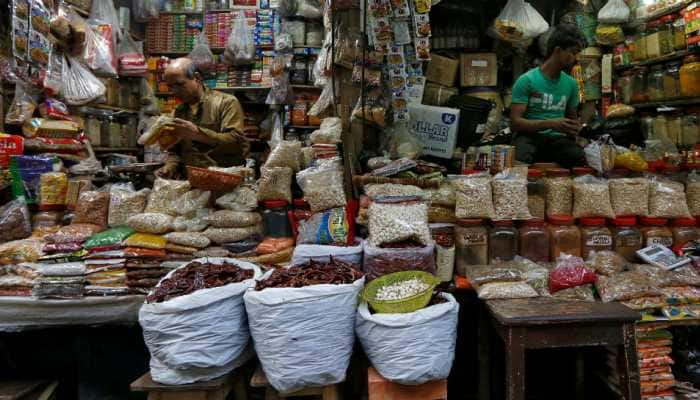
point(208, 123)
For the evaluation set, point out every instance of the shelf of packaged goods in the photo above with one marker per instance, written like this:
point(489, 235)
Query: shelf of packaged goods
point(658, 14)
point(167, 53)
point(675, 322)
point(693, 101)
point(235, 88)
point(183, 12)
point(307, 87)
point(221, 49)
point(117, 149)
point(112, 108)
point(228, 10)
point(303, 126)
point(669, 57)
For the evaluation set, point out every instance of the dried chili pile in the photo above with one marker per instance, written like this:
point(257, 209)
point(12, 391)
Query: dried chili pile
point(314, 273)
point(197, 276)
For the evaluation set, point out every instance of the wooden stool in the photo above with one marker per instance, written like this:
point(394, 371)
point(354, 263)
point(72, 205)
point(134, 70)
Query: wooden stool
point(216, 389)
point(259, 380)
point(383, 389)
point(542, 323)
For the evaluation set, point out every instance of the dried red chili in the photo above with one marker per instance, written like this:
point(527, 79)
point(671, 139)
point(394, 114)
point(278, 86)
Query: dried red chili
point(314, 273)
point(197, 276)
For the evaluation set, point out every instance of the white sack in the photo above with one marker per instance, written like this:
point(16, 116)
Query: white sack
point(304, 253)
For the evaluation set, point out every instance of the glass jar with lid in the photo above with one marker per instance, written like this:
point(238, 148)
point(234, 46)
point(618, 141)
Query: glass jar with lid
point(647, 124)
point(660, 127)
point(535, 193)
point(666, 31)
point(674, 128)
point(690, 76)
point(624, 85)
point(655, 86)
point(558, 187)
point(689, 131)
point(595, 236)
point(655, 231)
point(627, 238)
point(653, 39)
point(639, 46)
point(684, 230)
point(672, 81)
point(471, 244)
point(503, 241)
point(564, 236)
point(639, 85)
point(678, 32)
point(275, 219)
point(534, 240)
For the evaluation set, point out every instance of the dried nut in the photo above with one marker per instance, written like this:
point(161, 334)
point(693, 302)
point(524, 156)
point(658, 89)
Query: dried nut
point(397, 222)
point(558, 195)
point(693, 195)
point(275, 184)
point(667, 200)
point(401, 290)
point(592, 200)
point(510, 198)
point(473, 197)
point(630, 196)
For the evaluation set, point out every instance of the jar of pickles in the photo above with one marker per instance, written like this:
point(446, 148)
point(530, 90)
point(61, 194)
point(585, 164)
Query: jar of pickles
point(595, 236)
point(627, 238)
point(624, 85)
point(690, 130)
point(684, 230)
point(654, 231)
point(471, 244)
point(674, 128)
point(534, 240)
point(655, 85)
point(564, 236)
point(503, 241)
point(690, 76)
point(639, 85)
point(672, 80)
point(679, 32)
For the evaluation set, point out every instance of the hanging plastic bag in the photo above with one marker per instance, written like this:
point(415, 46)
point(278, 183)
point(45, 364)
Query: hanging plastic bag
point(600, 154)
point(131, 59)
point(277, 135)
point(609, 35)
point(98, 53)
point(325, 99)
point(80, 85)
point(103, 12)
point(23, 105)
point(614, 12)
point(519, 21)
point(240, 46)
point(52, 80)
point(201, 54)
point(145, 10)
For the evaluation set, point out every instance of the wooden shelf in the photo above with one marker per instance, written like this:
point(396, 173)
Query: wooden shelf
point(303, 126)
point(111, 108)
point(658, 14)
point(668, 103)
point(117, 149)
point(181, 13)
point(308, 87)
point(669, 57)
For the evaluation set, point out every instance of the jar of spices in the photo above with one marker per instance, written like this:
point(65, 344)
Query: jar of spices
point(660, 127)
point(595, 236)
point(684, 230)
point(558, 192)
point(503, 241)
point(654, 231)
point(564, 236)
point(534, 240)
point(674, 126)
point(679, 32)
point(639, 85)
point(689, 131)
point(299, 72)
point(471, 244)
point(535, 193)
point(625, 87)
point(275, 219)
point(690, 76)
point(92, 130)
point(656, 83)
point(627, 238)
point(672, 80)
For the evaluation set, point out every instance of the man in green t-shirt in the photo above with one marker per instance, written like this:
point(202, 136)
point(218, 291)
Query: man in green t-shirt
point(544, 109)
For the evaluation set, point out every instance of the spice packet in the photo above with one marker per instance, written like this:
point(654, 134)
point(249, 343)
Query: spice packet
point(20, 37)
point(422, 6)
point(401, 8)
point(39, 17)
point(382, 33)
point(402, 33)
point(421, 25)
point(39, 48)
point(423, 49)
point(379, 8)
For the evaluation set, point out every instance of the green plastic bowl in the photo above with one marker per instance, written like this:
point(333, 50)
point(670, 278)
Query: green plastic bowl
point(407, 305)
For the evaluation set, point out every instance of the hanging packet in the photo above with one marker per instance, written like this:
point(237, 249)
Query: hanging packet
point(81, 86)
point(131, 60)
point(201, 54)
point(614, 12)
point(240, 46)
point(26, 174)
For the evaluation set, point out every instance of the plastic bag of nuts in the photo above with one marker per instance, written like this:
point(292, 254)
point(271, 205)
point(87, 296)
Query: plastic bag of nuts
point(510, 196)
point(15, 221)
point(155, 223)
point(667, 199)
point(285, 154)
point(165, 192)
point(275, 184)
point(398, 219)
point(592, 198)
point(473, 196)
point(558, 192)
point(392, 189)
point(606, 262)
point(693, 192)
point(323, 185)
point(629, 196)
point(92, 208)
point(125, 202)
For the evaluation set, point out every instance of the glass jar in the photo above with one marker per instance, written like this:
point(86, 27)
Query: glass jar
point(471, 244)
point(689, 131)
point(639, 47)
point(654, 231)
point(674, 127)
point(558, 192)
point(115, 133)
point(679, 32)
point(564, 236)
point(666, 30)
point(503, 241)
point(275, 219)
point(684, 230)
point(595, 236)
point(647, 125)
point(444, 237)
point(534, 240)
point(672, 81)
point(660, 127)
point(535, 193)
point(627, 238)
point(639, 85)
point(653, 40)
point(655, 87)
point(92, 130)
point(690, 76)
point(625, 87)
point(112, 92)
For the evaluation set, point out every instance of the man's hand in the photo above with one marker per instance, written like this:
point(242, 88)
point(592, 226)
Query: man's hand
point(185, 129)
point(567, 126)
point(166, 172)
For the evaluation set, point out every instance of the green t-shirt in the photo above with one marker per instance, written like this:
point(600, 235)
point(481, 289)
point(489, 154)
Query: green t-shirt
point(545, 98)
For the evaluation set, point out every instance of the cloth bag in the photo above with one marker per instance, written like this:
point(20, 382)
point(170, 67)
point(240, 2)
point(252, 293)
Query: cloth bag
point(303, 336)
point(199, 336)
point(411, 348)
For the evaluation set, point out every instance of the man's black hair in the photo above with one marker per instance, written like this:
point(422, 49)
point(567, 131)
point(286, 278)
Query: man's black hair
point(565, 36)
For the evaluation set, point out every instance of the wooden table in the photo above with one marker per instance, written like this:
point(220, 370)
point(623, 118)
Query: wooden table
point(542, 323)
point(215, 389)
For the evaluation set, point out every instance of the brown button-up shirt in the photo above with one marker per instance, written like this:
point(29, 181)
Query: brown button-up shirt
point(220, 117)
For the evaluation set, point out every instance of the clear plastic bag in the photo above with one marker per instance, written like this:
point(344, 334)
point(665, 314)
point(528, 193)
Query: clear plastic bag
point(330, 227)
point(281, 91)
point(164, 193)
point(243, 198)
point(124, 202)
point(600, 154)
point(145, 10)
point(99, 53)
point(614, 12)
point(625, 286)
point(558, 194)
point(592, 198)
point(194, 223)
point(109, 237)
point(393, 220)
point(190, 202)
point(233, 219)
point(609, 35)
point(667, 199)
point(23, 105)
point(693, 192)
point(155, 223)
point(444, 195)
point(578, 293)
point(329, 132)
point(570, 272)
point(506, 290)
point(483, 274)
point(323, 185)
point(519, 21)
point(53, 83)
point(230, 235)
point(189, 239)
point(132, 62)
point(277, 135)
point(73, 233)
point(15, 222)
point(629, 196)
point(146, 241)
point(52, 190)
point(473, 196)
point(92, 208)
point(510, 196)
point(606, 262)
point(80, 85)
point(379, 261)
point(325, 99)
point(285, 154)
point(683, 276)
point(631, 160)
point(275, 184)
point(201, 54)
point(392, 189)
point(240, 46)
point(103, 12)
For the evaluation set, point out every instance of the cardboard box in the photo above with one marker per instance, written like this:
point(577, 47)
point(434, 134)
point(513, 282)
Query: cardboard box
point(436, 128)
point(442, 70)
point(478, 69)
point(437, 95)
